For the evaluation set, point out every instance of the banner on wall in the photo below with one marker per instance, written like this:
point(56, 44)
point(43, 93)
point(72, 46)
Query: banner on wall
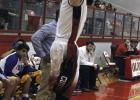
point(135, 66)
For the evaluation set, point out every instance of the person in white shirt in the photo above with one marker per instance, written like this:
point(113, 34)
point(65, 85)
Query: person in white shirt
point(88, 69)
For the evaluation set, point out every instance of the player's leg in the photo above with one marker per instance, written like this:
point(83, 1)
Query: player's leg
point(57, 53)
point(10, 86)
point(65, 69)
point(25, 81)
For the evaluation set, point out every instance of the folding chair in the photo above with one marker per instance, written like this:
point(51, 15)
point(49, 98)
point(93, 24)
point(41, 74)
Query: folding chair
point(111, 66)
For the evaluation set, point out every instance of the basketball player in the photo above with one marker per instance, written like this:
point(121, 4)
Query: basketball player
point(64, 52)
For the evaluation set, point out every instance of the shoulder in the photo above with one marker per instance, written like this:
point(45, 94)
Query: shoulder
point(83, 48)
point(12, 58)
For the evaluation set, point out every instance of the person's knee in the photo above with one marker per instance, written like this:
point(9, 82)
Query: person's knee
point(26, 78)
point(13, 81)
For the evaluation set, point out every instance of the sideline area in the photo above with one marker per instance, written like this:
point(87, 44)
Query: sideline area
point(112, 89)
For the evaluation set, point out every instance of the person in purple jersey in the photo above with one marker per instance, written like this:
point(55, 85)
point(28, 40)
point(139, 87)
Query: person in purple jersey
point(15, 64)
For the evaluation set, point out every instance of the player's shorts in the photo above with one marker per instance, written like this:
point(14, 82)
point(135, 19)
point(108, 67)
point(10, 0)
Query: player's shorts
point(57, 53)
point(37, 75)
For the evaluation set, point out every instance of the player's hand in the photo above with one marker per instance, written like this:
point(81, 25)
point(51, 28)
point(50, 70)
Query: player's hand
point(24, 60)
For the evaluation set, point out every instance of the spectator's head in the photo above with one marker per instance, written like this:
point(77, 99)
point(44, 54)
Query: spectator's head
point(90, 46)
point(97, 3)
point(114, 9)
point(127, 42)
point(103, 3)
point(57, 15)
point(109, 7)
point(89, 2)
point(134, 43)
point(17, 42)
point(22, 50)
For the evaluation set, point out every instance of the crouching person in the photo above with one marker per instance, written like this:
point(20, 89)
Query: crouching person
point(15, 64)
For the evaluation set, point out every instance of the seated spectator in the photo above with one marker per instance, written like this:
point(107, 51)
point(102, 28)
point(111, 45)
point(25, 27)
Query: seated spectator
point(134, 44)
point(122, 52)
point(109, 7)
point(97, 3)
point(15, 64)
point(123, 48)
point(34, 62)
point(88, 69)
point(103, 6)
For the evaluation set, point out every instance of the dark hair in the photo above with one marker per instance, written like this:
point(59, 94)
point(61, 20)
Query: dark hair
point(57, 14)
point(134, 41)
point(89, 2)
point(89, 42)
point(22, 46)
point(17, 42)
